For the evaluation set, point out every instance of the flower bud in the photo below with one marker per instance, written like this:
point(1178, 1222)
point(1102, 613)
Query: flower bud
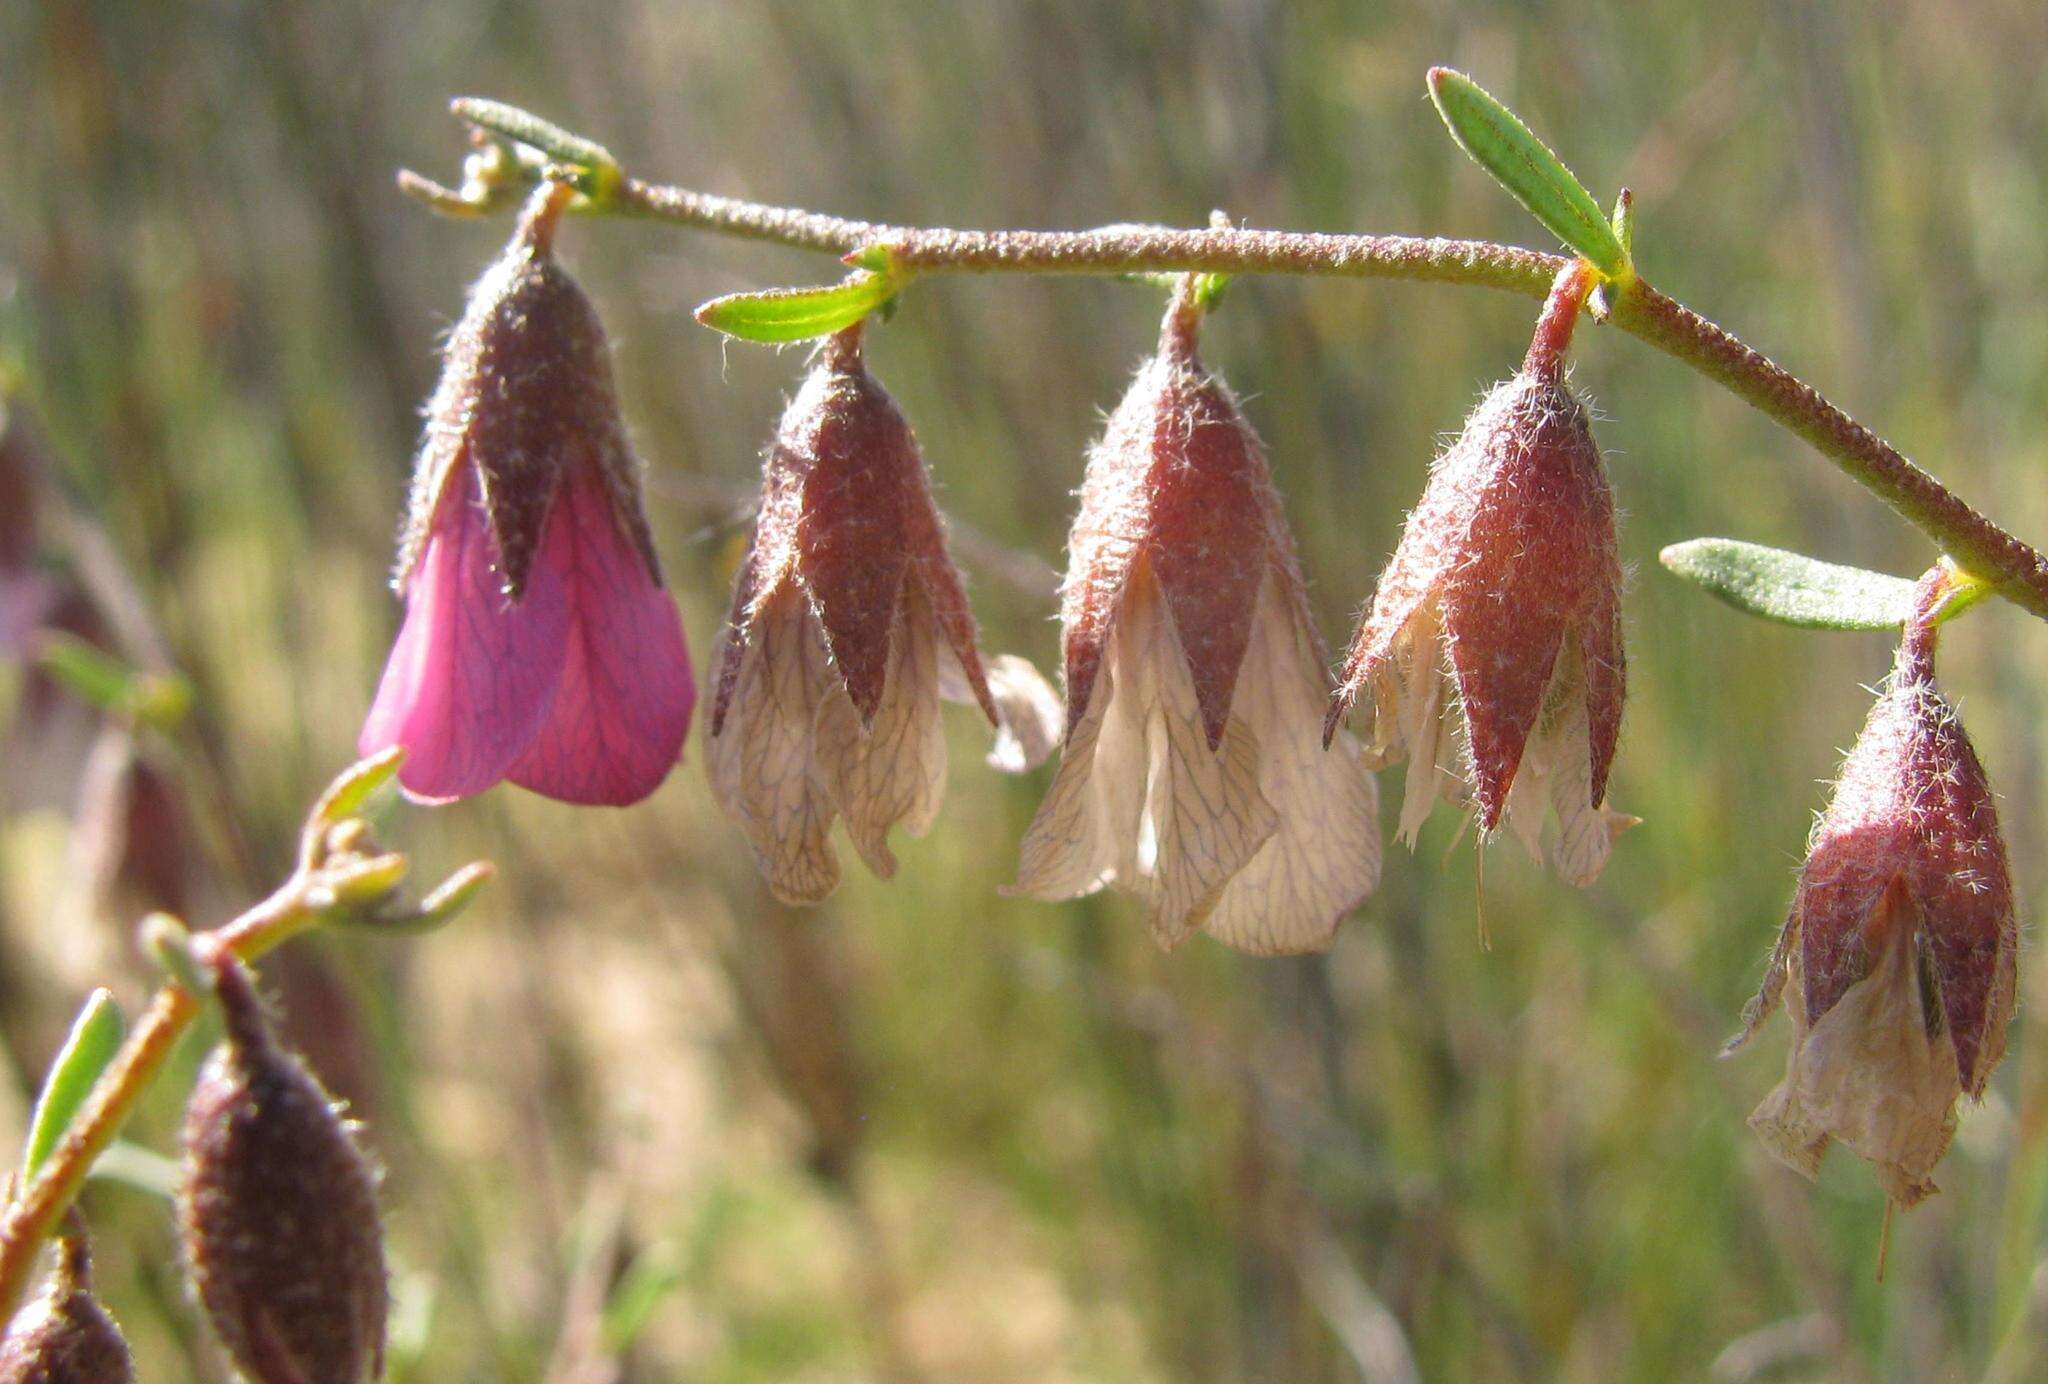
point(1506, 591)
point(1191, 775)
point(538, 645)
point(65, 1336)
point(278, 1210)
point(848, 624)
point(1898, 959)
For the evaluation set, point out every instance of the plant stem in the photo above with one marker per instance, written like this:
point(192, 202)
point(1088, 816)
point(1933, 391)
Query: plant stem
point(34, 1214)
point(1984, 550)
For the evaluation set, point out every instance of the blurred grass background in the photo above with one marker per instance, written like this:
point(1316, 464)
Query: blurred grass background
point(643, 1124)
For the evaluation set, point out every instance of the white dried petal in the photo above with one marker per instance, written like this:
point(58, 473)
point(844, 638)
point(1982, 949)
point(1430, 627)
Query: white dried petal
point(760, 763)
point(1869, 1074)
point(893, 773)
point(1029, 713)
point(1323, 858)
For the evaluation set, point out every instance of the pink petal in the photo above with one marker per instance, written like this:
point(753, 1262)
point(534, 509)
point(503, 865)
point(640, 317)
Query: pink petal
point(472, 676)
point(623, 706)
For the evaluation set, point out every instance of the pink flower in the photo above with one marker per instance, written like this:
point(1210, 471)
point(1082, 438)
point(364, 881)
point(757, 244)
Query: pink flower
point(1504, 600)
point(1192, 776)
point(1898, 960)
point(849, 624)
point(538, 645)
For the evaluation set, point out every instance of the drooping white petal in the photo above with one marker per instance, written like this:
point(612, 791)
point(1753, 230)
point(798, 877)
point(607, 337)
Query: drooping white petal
point(1324, 855)
point(1550, 807)
point(760, 762)
point(1414, 720)
point(894, 773)
point(1869, 1073)
point(1029, 713)
point(1140, 799)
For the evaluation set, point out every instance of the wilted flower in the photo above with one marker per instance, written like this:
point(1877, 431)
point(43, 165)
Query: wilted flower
point(1191, 775)
point(1897, 962)
point(538, 645)
point(65, 1336)
point(1505, 590)
point(278, 1209)
point(848, 624)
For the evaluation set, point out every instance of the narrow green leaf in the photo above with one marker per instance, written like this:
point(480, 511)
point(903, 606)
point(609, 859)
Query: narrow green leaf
point(134, 1166)
point(1791, 588)
point(650, 1278)
point(798, 314)
point(551, 139)
point(95, 1038)
point(92, 675)
point(1523, 164)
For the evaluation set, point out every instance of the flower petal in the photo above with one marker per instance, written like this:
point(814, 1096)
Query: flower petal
point(892, 770)
point(1323, 857)
point(1868, 1073)
point(760, 759)
point(472, 676)
point(623, 707)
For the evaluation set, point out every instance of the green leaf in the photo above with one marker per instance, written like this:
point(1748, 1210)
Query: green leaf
point(101, 680)
point(134, 1166)
point(95, 1038)
point(1791, 588)
point(798, 314)
point(650, 1278)
point(1523, 164)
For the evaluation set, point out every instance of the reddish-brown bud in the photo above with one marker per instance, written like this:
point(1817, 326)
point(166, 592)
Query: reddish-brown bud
point(278, 1209)
point(1195, 678)
point(65, 1336)
point(1897, 962)
point(1507, 571)
point(848, 624)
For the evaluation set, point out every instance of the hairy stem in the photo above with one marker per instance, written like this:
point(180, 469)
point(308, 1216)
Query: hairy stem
point(35, 1212)
point(1980, 547)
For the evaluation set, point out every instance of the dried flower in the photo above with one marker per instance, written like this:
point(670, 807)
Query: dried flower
point(279, 1210)
point(1897, 961)
point(65, 1336)
point(848, 625)
point(1191, 775)
point(1505, 588)
point(538, 645)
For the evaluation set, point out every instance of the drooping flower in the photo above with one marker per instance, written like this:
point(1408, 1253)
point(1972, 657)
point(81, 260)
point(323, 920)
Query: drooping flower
point(848, 624)
point(1191, 776)
point(538, 645)
point(1503, 600)
point(1897, 962)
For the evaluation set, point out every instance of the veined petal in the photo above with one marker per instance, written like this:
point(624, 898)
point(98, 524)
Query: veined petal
point(760, 759)
point(1140, 798)
point(1869, 1073)
point(623, 706)
point(473, 675)
point(1076, 839)
point(1323, 857)
point(1029, 711)
point(1551, 808)
point(891, 771)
